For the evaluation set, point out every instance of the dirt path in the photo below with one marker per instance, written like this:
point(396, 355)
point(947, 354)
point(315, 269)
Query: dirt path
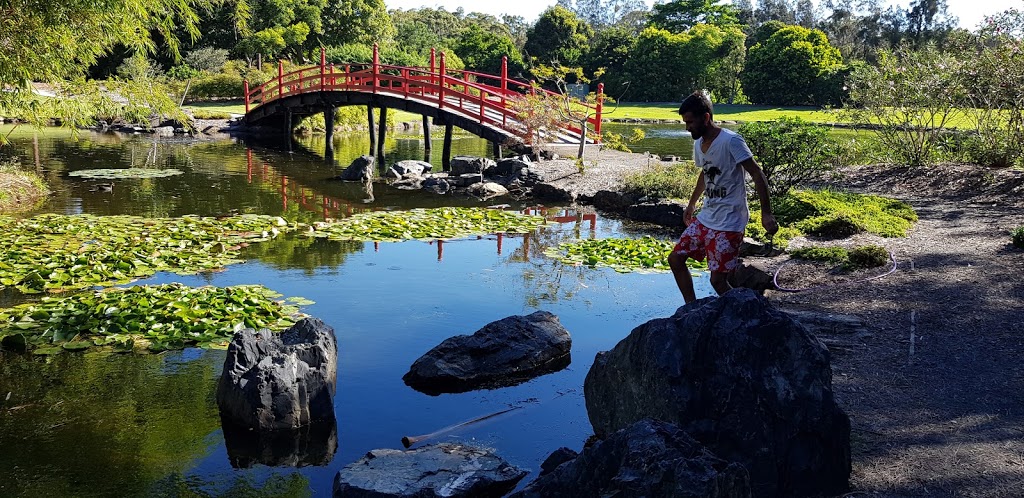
point(942, 415)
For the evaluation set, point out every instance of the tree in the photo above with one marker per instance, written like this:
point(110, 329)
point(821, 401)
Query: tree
point(786, 69)
point(672, 65)
point(929, 20)
point(775, 10)
point(51, 40)
point(356, 21)
point(482, 51)
point(680, 15)
point(805, 15)
point(281, 28)
point(609, 55)
point(603, 14)
point(558, 36)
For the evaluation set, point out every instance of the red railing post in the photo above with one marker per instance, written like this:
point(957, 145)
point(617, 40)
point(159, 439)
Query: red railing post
point(280, 78)
point(245, 88)
point(323, 66)
point(504, 90)
point(433, 66)
point(600, 107)
point(300, 80)
point(440, 86)
point(376, 65)
point(334, 79)
point(483, 99)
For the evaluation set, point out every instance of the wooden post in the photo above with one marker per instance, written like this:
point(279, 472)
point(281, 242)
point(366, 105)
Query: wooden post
point(433, 65)
point(497, 150)
point(504, 90)
point(288, 127)
point(369, 121)
point(426, 134)
point(600, 107)
point(382, 127)
point(329, 125)
point(446, 151)
point(245, 89)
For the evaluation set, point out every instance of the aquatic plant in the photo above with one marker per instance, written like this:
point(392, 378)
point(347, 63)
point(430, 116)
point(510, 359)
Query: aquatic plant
point(153, 318)
point(623, 255)
point(427, 224)
point(124, 173)
point(62, 252)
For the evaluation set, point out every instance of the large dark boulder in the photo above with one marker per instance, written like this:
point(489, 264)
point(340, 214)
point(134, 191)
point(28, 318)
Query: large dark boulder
point(741, 377)
point(441, 470)
point(436, 185)
point(647, 459)
point(510, 166)
point(361, 170)
point(462, 165)
point(502, 353)
point(549, 192)
point(664, 213)
point(610, 200)
point(279, 382)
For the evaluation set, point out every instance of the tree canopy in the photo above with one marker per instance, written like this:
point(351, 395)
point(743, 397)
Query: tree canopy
point(559, 36)
point(681, 15)
point(788, 67)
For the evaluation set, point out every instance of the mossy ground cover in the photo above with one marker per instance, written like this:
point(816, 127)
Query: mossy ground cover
point(57, 253)
point(143, 318)
point(425, 224)
point(671, 181)
point(646, 254)
point(20, 190)
point(858, 258)
point(829, 213)
point(1017, 237)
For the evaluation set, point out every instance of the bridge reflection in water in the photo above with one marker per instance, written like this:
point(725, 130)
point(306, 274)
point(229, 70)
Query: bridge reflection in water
point(329, 207)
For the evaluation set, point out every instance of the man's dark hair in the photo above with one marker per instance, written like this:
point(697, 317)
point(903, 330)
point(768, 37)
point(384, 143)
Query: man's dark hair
point(698, 103)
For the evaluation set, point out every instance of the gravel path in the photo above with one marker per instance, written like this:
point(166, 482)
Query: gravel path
point(603, 170)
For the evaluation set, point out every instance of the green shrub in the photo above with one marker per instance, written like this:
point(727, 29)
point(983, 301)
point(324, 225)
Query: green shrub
point(791, 151)
point(614, 141)
point(756, 231)
point(830, 254)
point(1017, 236)
point(216, 86)
point(870, 256)
point(674, 181)
point(838, 214)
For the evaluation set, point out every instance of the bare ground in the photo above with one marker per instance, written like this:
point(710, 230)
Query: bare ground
point(940, 414)
point(934, 384)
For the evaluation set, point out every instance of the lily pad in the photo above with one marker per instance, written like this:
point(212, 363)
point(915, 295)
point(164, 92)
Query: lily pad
point(426, 224)
point(159, 317)
point(646, 254)
point(124, 173)
point(53, 253)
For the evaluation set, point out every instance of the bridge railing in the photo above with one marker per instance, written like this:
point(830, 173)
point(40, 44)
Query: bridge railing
point(460, 91)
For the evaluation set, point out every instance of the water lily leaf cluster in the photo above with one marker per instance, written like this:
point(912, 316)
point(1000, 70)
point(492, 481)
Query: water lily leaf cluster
point(124, 173)
point(427, 224)
point(623, 255)
point(153, 318)
point(63, 252)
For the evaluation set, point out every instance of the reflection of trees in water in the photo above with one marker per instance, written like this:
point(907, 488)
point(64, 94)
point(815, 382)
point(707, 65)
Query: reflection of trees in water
point(308, 253)
point(546, 280)
point(294, 485)
point(111, 424)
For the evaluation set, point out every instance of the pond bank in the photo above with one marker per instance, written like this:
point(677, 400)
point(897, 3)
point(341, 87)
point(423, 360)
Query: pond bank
point(20, 191)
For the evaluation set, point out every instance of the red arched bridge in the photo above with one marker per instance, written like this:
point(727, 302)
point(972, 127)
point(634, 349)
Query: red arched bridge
point(482, 104)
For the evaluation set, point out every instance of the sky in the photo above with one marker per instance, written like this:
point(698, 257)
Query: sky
point(970, 12)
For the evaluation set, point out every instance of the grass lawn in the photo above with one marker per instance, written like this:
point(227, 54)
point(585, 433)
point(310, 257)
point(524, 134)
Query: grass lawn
point(723, 112)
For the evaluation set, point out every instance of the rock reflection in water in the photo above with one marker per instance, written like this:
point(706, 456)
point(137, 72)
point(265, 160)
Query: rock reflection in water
point(312, 445)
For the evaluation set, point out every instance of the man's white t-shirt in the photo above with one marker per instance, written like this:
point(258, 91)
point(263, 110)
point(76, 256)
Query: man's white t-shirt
point(725, 188)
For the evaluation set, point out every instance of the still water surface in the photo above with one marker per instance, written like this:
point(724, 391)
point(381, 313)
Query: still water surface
point(103, 425)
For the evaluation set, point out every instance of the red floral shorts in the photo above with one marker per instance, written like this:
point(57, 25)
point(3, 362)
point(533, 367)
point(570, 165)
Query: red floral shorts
point(721, 248)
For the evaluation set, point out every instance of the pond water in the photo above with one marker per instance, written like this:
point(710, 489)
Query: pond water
point(122, 425)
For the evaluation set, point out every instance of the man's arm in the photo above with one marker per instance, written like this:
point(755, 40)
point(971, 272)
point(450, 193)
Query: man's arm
point(761, 187)
point(698, 190)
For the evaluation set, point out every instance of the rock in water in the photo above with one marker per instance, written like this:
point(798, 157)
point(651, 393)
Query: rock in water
point(502, 353)
point(279, 382)
point(361, 170)
point(647, 459)
point(741, 377)
point(469, 164)
point(441, 470)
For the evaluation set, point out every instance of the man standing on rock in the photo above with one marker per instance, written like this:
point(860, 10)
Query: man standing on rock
point(717, 231)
